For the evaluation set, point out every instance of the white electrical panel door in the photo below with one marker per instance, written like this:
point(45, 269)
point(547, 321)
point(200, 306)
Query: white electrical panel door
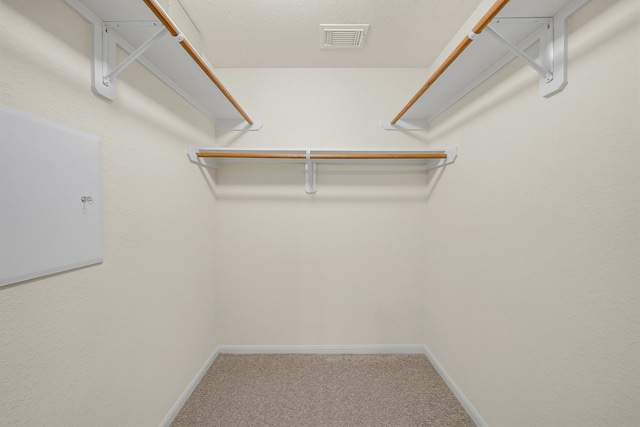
point(50, 197)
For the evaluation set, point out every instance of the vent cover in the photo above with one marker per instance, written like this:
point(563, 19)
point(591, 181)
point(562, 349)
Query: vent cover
point(339, 36)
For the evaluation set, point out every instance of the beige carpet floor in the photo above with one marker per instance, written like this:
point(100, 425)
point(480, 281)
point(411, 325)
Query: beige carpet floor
point(322, 390)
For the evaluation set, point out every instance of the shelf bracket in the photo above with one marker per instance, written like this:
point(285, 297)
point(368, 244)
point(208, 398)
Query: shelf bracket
point(559, 42)
point(103, 65)
point(553, 47)
point(108, 57)
point(546, 50)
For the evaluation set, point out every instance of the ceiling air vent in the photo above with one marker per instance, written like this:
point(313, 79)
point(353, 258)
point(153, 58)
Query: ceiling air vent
point(337, 36)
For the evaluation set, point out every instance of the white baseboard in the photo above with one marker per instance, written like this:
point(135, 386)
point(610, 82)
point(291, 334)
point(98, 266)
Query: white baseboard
point(173, 413)
point(475, 416)
point(325, 349)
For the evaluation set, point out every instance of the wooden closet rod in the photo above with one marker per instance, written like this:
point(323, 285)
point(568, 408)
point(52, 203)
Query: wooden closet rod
point(188, 47)
point(481, 25)
point(364, 156)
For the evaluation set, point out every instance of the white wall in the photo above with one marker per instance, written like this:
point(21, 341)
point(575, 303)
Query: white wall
point(534, 297)
point(523, 253)
point(515, 265)
point(114, 344)
point(343, 266)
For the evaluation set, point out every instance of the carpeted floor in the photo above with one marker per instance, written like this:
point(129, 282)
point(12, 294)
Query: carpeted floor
point(322, 390)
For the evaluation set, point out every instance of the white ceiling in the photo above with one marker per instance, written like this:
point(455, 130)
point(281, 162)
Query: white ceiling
point(286, 33)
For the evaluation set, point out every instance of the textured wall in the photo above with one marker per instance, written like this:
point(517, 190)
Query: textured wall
point(342, 266)
point(114, 344)
point(533, 272)
point(516, 265)
point(525, 250)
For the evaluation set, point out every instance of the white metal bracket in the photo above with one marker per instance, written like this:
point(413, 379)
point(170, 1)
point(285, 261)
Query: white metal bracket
point(546, 58)
point(109, 46)
point(560, 50)
point(553, 47)
point(103, 66)
point(104, 55)
point(97, 66)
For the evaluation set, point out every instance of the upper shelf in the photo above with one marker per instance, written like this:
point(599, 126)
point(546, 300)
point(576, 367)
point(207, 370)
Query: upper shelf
point(149, 35)
point(534, 31)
